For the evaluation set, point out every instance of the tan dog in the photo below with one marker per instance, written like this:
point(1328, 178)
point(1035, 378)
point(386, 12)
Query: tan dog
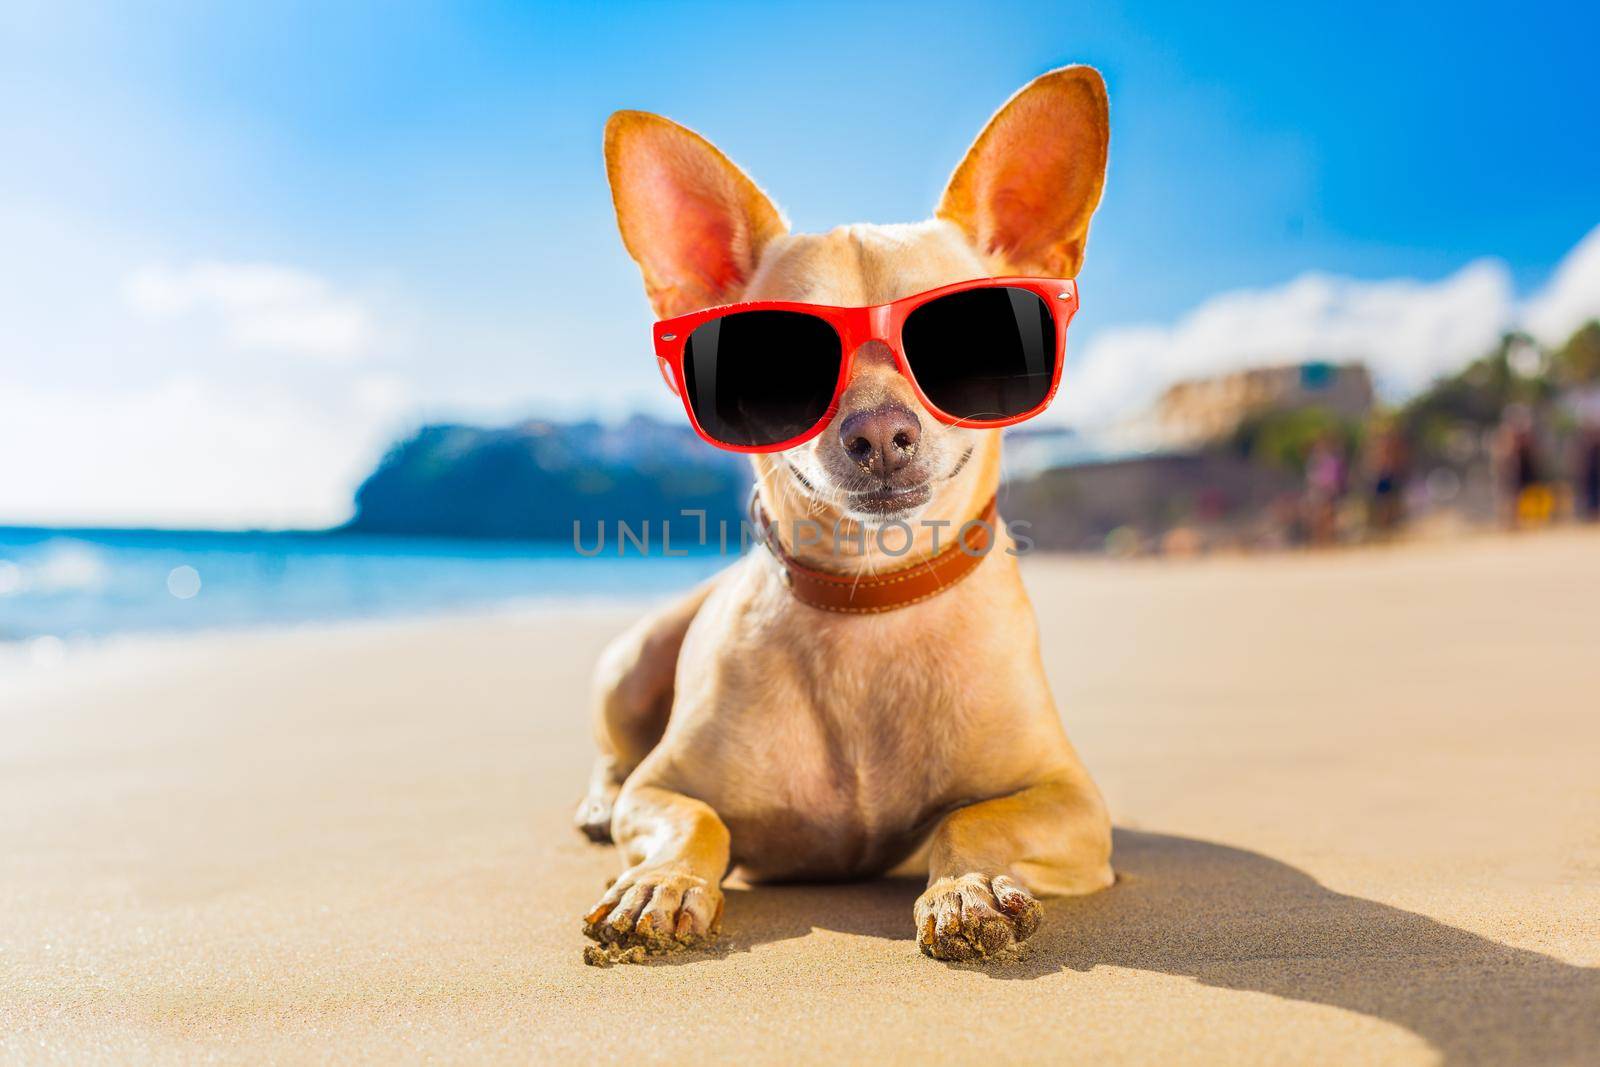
point(742, 728)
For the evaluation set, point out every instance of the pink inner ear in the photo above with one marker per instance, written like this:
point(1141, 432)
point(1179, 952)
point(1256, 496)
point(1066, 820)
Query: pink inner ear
point(688, 231)
point(1012, 223)
point(1026, 191)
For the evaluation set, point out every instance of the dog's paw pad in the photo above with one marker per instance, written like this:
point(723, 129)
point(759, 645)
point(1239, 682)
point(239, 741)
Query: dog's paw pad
point(975, 917)
point(656, 910)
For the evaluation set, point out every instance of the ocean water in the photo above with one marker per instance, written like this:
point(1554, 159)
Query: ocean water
point(83, 584)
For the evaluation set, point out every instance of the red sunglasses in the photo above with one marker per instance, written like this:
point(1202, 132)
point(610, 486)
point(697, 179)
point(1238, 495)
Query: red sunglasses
point(767, 375)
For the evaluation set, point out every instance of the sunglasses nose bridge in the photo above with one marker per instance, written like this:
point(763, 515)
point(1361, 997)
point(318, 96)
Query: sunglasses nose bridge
point(868, 328)
point(863, 328)
point(879, 321)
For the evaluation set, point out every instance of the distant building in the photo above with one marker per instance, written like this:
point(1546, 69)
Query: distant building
point(1204, 411)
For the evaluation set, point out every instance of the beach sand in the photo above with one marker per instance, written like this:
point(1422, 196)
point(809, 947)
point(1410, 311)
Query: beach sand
point(1357, 799)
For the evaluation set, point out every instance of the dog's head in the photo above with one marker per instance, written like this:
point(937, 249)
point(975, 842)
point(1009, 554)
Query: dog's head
point(703, 234)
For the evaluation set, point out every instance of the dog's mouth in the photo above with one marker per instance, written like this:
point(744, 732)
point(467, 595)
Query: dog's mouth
point(890, 499)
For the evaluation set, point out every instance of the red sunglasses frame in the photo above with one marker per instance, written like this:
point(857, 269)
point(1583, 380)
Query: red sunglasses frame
point(855, 327)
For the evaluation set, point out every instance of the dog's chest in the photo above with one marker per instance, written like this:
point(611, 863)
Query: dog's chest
point(835, 756)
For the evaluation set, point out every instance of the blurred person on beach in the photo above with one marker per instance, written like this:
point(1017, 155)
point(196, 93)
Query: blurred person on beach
point(1523, 497)
point(1327, 479)
point(1588, 468)
point(1586, 456)
point(1387, 461)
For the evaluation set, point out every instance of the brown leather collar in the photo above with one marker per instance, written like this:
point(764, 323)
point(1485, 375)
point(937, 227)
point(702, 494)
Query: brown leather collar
point(870, 594)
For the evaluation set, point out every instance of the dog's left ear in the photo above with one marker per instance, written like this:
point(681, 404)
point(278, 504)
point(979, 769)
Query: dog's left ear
point(1030, 182)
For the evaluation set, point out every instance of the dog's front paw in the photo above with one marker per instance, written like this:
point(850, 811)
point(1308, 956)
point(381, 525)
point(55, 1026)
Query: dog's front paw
point(974, 916)
point(660, 910)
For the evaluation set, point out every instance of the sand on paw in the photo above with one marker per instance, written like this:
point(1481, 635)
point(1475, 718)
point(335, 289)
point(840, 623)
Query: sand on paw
point(607, 955)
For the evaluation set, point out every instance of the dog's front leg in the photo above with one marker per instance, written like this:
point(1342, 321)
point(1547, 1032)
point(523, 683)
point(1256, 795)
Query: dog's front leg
point(670, 896)
point(989, 859)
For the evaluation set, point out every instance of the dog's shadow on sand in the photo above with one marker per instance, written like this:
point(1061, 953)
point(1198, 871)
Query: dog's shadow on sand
point(1239, 920)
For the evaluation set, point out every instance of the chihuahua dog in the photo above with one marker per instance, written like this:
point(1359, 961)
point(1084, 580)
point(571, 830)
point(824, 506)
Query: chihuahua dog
point(742, 728)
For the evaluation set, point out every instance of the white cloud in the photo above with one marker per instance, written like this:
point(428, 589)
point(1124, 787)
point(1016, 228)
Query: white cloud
point(1408, 332)
point(1572, 296)
point(257, 306)
point(186, 453)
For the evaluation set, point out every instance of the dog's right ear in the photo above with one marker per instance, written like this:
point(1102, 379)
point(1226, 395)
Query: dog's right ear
point(694, 222)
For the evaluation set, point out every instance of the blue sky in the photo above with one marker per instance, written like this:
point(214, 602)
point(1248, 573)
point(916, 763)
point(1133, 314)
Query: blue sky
point(285, 233)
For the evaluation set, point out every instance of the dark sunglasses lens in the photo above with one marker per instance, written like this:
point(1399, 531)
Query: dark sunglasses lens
point(985, 354)
point(757, 378)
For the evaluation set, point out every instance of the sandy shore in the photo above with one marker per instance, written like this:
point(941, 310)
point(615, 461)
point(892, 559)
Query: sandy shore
point(1358, 800)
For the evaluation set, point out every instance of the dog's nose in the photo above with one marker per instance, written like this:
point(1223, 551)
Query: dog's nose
point(882, 439)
